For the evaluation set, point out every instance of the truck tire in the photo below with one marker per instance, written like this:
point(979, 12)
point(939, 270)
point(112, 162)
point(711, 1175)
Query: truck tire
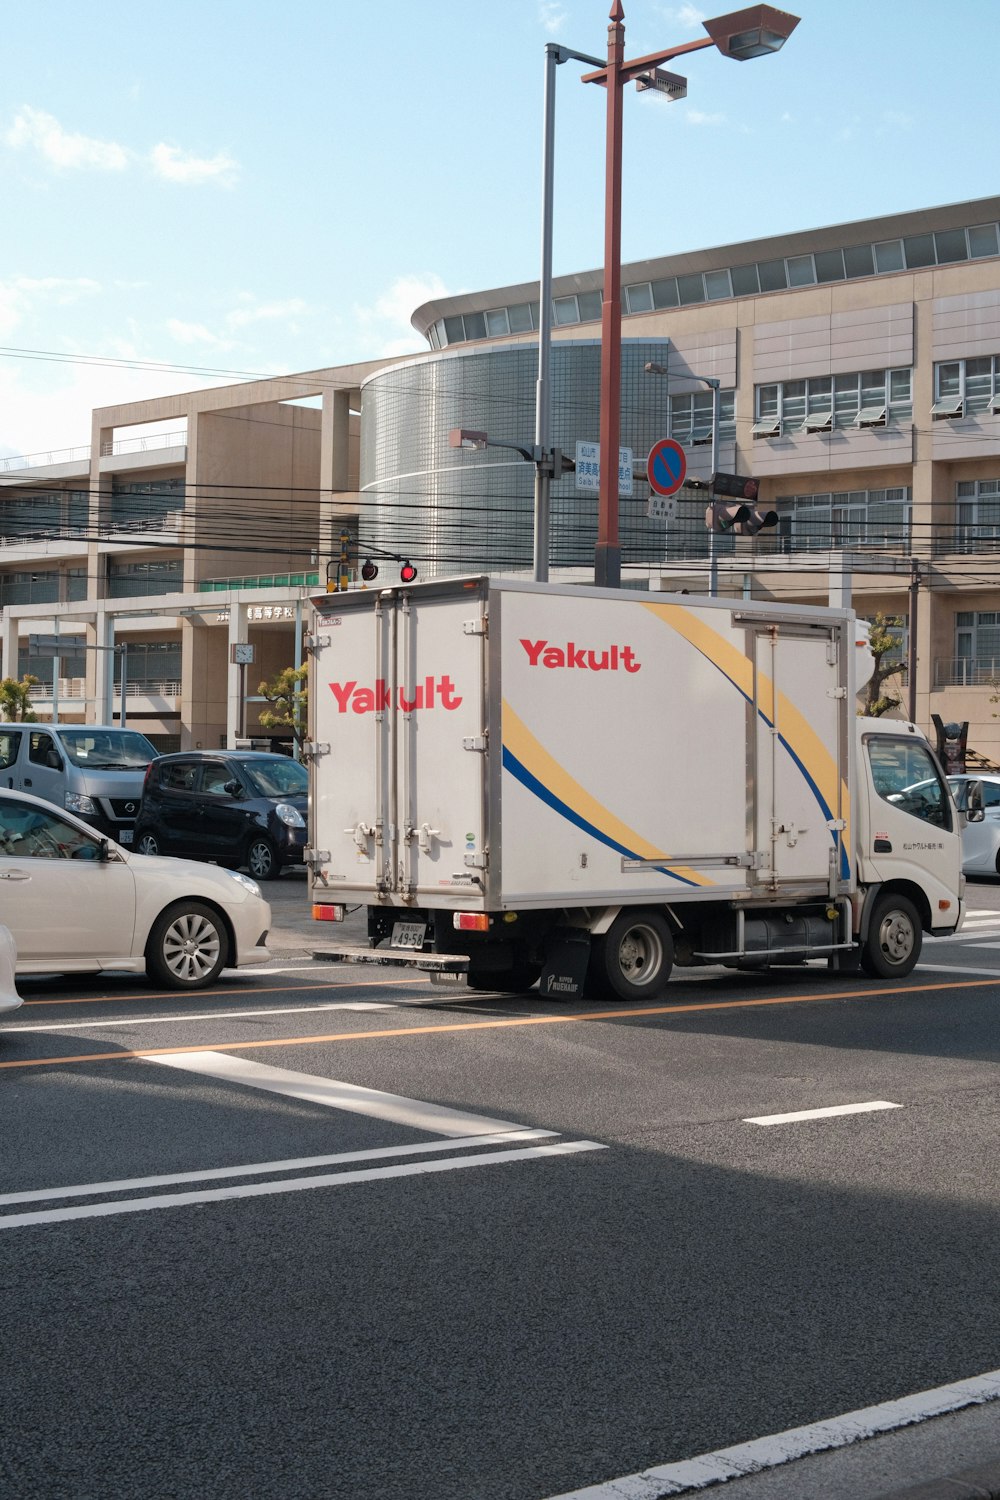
point(633, 960)
point(894, 939)
point(188, 946)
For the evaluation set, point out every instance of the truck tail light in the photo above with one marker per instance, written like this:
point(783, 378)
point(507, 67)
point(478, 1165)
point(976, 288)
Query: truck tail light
point(328, 913)
point(471, 921)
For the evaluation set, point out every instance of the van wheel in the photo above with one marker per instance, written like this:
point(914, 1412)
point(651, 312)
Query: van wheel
point(149, 844)
point(188, 947)
point(633, 960)
point(262, 861)
point(894, 939)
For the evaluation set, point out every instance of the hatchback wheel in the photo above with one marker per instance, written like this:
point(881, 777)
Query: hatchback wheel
point(148, 843)
point(188, 946)
point(262, 861)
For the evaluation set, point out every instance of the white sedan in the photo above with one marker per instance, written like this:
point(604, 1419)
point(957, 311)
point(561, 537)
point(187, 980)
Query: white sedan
point(980, 840)
point(77, 903)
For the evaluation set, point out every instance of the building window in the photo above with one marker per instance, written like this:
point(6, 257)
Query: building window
point(639, 298)
point(565, 310)
point(977, 514)
point(691, 418)
point(141, 579)
point(868, 399)
point(977, 647)
point(965, 387)
point(849, 518)
point(153, 506)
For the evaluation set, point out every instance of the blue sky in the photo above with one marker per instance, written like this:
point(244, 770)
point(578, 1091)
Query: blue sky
point(240, 186)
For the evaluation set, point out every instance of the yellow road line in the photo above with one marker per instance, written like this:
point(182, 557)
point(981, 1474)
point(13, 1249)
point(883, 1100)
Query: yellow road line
point(495, 1025)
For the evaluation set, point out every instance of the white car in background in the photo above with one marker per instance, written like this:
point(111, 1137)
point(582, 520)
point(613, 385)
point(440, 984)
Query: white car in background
point(77, 903)
point(980, 840)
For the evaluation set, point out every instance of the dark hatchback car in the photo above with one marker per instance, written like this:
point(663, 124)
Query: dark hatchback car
point(238, 807)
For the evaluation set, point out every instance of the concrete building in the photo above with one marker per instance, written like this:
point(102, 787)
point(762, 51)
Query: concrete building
point(859, 381)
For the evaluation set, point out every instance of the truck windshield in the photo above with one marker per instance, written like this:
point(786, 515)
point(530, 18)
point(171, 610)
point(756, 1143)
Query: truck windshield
point(107, 749)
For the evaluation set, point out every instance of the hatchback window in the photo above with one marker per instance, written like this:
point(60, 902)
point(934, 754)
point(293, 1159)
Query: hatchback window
point(278, 776)
point(178, 776)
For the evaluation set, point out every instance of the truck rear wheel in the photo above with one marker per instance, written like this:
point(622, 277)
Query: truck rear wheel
point(892, 946)
point(633, 960)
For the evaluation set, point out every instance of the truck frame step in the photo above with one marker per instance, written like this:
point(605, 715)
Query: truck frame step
point(407, 958)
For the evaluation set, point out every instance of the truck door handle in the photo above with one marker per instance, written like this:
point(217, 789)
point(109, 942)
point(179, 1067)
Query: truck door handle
point(361, 834)
point(27, 781)
point(424, 835)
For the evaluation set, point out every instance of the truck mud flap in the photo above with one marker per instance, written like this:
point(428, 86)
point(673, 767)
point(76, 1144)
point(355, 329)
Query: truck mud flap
point(566, 961)
point(399, 958)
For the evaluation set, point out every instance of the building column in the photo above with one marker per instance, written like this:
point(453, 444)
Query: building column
point(236, 676)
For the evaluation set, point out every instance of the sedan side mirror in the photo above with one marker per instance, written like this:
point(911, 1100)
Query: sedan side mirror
point(974, 810)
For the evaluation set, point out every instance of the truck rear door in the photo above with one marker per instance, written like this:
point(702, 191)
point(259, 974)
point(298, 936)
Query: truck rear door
point(799, 778)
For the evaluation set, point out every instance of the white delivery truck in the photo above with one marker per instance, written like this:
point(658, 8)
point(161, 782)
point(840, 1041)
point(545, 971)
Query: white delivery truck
point(581, 786)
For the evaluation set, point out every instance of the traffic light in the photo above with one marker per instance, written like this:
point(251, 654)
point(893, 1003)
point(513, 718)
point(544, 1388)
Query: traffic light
point(369, 570)
point(407, 573)
point(746, 519)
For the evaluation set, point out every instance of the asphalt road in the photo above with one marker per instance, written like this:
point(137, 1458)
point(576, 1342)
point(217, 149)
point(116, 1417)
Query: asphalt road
point(247, 1250)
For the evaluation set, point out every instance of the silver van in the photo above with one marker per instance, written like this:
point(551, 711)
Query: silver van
point(93, 770)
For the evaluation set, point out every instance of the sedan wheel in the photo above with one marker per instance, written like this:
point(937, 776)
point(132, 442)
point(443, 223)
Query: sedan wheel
point(187, 947)
point(262, 862)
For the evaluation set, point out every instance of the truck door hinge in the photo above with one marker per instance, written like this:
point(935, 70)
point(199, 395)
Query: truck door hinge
point(837, 692)
point(478, 861)
point(315, 857)
point(475, 742)
point(315, 642)
point(311, 750)
point(476, 627)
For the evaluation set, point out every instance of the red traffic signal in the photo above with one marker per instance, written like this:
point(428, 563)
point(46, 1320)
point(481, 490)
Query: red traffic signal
point(734, 484)
point(407, 573)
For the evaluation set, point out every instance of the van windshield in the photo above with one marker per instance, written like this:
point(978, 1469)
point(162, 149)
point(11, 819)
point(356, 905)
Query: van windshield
point(107, 749)
point(277, 776)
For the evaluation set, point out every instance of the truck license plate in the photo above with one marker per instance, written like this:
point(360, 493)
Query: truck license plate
point(408, 934)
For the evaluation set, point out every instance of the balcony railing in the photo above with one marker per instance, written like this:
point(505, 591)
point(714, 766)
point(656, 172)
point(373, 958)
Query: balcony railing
point(967, 671)
point(76, 455)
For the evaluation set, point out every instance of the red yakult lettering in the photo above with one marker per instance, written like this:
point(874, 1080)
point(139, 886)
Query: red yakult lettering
point(433, 692)
point(610, 659)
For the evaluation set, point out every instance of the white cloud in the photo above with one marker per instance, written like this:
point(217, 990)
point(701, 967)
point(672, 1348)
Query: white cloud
point(688, 16)
point(172, 164)
point(21, 294)
point(699, 117)
point(262, 312)
point(195, 333)
point(552, 14)
point(62, 148)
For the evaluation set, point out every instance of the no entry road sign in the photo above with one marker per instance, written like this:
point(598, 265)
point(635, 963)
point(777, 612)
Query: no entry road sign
point(666, 467)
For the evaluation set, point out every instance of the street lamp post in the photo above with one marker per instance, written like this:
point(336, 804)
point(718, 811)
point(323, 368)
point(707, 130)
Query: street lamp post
point(743, 34)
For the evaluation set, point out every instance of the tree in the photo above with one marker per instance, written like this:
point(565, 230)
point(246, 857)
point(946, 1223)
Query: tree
point(15, 699)
point(288, 698)
point(882, 638)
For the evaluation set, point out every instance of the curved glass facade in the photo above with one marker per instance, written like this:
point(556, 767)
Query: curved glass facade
point(453, 510)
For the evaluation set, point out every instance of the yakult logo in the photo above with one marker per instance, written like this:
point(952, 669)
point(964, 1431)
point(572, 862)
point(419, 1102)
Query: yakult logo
point(611, 659)
point(433, 692)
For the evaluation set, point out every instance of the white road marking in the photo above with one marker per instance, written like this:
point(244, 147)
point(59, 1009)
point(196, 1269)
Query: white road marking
point(959, 969)
point(293, 1185)
point(97, 1024)
point(415, 1113)
point(798, 1442)
point(258, 1169)
point(820, 1114)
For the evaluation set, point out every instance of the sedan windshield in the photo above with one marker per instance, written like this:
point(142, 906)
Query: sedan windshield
point(277, 776)
point(108, 749)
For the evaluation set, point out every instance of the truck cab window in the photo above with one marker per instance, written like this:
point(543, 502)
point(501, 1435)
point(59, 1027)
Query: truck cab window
point(905, 775)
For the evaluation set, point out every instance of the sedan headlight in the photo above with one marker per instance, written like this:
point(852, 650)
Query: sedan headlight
point(78, 803)
point(245, 881)
point(289, 815)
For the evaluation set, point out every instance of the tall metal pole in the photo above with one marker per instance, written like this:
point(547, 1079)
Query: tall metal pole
point(607, 556)
point(543, 398)
point(713, 561)
point(911, 644)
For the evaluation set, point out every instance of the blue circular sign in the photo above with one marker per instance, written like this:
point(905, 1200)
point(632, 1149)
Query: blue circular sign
point(666, 467)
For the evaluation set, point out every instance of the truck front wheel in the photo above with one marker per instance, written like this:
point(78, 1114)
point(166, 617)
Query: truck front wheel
point(633, 959)
point(892, 946)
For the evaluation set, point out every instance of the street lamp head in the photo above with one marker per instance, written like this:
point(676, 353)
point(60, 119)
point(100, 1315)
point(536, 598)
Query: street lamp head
point(463, 437)
point(652, 368)
point(753, 32)
point(671, 84)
